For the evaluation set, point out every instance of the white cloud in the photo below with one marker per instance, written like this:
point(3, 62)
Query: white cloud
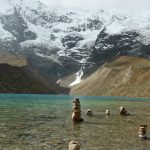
point(104, 4)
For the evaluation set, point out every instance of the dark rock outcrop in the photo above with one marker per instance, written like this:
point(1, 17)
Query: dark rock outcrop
point(108, 46)
point(71, 40)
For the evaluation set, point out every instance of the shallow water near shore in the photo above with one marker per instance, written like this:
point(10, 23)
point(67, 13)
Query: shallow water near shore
point(43, 122)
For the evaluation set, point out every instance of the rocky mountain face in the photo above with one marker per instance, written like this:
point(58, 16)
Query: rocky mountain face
point(125, 76)
point(107, 47)
point(59, 42)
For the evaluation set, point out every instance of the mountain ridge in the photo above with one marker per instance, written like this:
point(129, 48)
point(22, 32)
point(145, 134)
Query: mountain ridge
point(125, 76)
point(17, 76)
point(61, 43)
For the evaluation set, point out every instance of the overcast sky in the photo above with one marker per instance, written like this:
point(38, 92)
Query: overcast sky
point(103, 4)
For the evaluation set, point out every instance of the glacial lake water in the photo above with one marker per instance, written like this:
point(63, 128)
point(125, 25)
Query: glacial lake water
point(43, 122)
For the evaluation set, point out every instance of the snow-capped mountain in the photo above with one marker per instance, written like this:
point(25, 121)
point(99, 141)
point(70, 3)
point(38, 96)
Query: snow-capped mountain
point(59, 41)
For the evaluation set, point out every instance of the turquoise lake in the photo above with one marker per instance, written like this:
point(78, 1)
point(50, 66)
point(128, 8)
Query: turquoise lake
point(43, 122)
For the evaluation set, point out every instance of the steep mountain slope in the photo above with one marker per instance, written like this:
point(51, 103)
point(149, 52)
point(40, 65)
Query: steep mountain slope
point(16, 76)
point(61, 41)
point(13, 60)
point(125, 76)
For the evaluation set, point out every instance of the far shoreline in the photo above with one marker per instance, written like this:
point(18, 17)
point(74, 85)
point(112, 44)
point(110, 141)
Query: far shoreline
point(84, 97)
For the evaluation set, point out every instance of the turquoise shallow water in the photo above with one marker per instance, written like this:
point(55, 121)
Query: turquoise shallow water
point(43, 122)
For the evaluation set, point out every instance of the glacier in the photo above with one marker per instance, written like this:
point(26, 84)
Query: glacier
point(70, 36)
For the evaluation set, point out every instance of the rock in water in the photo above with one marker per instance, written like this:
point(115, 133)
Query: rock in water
point(123, 111)
point(76, 112)
point(142, 132)
point(74, 145)
point(107, 112)
point(89, 112)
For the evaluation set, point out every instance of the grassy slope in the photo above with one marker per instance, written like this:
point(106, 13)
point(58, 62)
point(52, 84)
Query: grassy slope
point(16, 76)
point(126, 76)
point(17, 80)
